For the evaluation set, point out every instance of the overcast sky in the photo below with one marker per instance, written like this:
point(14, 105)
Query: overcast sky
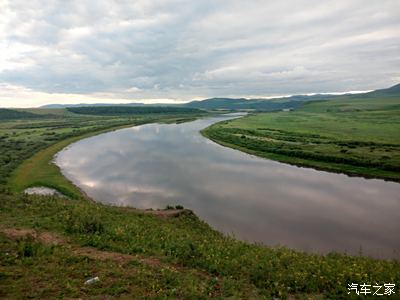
point(171, 50)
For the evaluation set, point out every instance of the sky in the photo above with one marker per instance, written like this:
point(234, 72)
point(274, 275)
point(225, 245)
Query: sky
point(98, 51)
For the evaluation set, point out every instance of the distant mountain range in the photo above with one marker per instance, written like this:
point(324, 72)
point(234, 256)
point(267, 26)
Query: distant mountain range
point(250, 104)
point(88, 104)
point(256, 104)
point(392, 91)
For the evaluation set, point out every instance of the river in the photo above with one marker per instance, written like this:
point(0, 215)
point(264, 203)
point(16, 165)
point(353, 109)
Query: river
point(254, 199)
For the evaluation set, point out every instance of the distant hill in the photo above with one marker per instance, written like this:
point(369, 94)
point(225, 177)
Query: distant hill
point(256, 104)
point(246, 104)
point(284, 103)
point(389, 92)
point(10, 114)
point(87, 104)
point(129, 110)
point(215, 103)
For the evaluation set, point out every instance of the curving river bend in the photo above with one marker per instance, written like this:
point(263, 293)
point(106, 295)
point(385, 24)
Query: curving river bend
point(151, 166)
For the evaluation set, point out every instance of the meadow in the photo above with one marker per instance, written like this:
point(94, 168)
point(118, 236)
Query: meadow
point(49, 246)
point(355, 135)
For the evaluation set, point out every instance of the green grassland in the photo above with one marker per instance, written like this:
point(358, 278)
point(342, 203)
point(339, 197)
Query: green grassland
point(177, 257)
point(355, 135)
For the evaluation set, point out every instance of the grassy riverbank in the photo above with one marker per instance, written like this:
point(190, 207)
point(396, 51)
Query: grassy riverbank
point(28, 145)
point(353, 135)
point(170, 257)
point(49, 246)
point(40, 171)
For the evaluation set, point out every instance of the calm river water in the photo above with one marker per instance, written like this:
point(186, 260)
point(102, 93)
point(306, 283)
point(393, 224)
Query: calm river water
point(151, 166)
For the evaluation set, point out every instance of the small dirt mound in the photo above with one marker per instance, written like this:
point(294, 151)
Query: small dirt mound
point(44, 237)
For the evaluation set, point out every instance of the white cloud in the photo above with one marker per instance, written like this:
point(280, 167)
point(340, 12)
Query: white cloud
point(177, 49)
point(19, 96)
point(133, 89)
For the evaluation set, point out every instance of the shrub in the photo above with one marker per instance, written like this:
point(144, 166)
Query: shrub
point(84, 222)
point(28, 247)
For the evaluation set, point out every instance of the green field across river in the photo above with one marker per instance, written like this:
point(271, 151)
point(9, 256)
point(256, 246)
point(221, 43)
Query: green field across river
point(352, 134)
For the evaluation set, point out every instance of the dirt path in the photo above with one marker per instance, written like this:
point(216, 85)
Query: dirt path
point(50, 238)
